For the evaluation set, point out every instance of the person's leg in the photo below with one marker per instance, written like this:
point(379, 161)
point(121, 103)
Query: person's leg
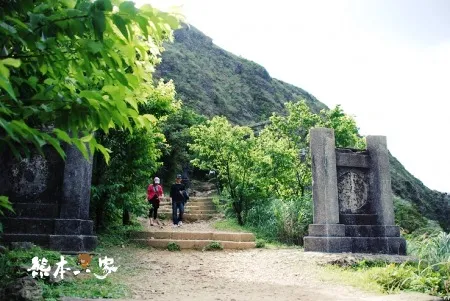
point(180, 219)
point(156, 214)
point(174, 213)
point(150, 215)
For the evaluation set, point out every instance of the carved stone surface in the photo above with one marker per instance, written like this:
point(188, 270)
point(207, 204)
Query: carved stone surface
point(353, 192)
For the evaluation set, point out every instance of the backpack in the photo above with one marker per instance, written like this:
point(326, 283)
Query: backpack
point(185, 195)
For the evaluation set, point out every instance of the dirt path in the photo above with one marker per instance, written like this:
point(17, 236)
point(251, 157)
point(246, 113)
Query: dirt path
point(257, 274)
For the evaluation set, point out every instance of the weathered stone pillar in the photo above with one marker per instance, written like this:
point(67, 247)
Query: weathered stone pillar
point(326, 234)
point(324, 176)
point(380, 180)
point(76, 188)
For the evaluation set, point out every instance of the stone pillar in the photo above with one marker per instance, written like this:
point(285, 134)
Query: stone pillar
point(380, 180)
point(76, 185)
point(326, 234)
point(324, 176)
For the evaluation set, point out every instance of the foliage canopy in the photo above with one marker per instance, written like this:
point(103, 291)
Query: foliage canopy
point(69, 68)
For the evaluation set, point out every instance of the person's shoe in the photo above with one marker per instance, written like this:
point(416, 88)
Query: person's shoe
point(180, 224)
point(174, 225)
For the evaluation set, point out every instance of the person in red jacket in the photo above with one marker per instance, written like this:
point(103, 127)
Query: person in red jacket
point(154, 194)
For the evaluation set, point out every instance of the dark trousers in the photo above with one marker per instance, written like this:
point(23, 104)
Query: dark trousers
point(153, 212)
point(175, 207)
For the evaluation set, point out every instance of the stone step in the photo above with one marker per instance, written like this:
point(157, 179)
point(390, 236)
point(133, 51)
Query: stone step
point(191, 217)
point(191, 211)
point(358, 219)
point(42, 210)
point(371, 231)
point(194, 244)
point(203, 207)
point(210, 236)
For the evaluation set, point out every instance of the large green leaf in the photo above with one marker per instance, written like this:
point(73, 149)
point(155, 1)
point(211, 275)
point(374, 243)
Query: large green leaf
point(121, 25)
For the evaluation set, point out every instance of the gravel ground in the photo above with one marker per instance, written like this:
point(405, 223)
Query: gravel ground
point(256, 274)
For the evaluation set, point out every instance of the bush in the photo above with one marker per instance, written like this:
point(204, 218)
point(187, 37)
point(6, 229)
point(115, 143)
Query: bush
point(260, 243)
point(213, 246)
point(429, 279)
point(173, 246)
point(407, 216)
point(431, 275)
point(284, 221)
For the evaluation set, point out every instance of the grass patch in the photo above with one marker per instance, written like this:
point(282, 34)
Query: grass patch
point(361, 278)
point(213, 246)
point(229, 225)
point(173, 246)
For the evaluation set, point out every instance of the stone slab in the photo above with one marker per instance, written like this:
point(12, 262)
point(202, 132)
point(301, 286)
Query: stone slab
point(358, 219)
point(36, 210)
point(384, 245)
point(327, 244)
point(73, 227)
point(372, 231)
point(328, 230)
point(26, 225)
point(72, 242)
point(352, 160)
point(38, 239)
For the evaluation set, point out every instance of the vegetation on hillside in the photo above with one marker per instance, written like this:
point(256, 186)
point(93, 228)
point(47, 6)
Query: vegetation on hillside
point(214, 82)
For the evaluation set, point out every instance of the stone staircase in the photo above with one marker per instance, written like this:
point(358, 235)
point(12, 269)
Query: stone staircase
point(198, 210)
point(194, 240)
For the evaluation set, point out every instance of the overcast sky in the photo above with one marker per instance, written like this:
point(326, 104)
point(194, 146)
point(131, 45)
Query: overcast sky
point(386, 62)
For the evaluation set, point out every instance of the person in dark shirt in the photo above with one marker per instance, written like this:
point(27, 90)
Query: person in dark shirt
point(177, 198)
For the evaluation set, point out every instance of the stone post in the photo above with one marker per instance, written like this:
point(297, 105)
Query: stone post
point(324, 176)
point(380, 180)
point(76, 185)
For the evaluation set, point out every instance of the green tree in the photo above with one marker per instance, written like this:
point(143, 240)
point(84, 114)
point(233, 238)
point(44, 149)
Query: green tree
point(119, 187)
point(69, 68)
point(229, 150)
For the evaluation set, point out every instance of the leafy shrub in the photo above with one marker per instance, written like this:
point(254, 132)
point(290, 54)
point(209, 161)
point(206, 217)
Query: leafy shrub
point(260, 243)
point(431, 275)
point(407, 216)
point(429, 279)
point(173, 246)
point(213, 246)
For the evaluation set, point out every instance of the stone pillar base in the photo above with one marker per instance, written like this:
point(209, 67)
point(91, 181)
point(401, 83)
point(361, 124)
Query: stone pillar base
point(327, 244)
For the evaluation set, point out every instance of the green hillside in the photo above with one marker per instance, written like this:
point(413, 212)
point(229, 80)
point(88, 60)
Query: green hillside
point(213, 81)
